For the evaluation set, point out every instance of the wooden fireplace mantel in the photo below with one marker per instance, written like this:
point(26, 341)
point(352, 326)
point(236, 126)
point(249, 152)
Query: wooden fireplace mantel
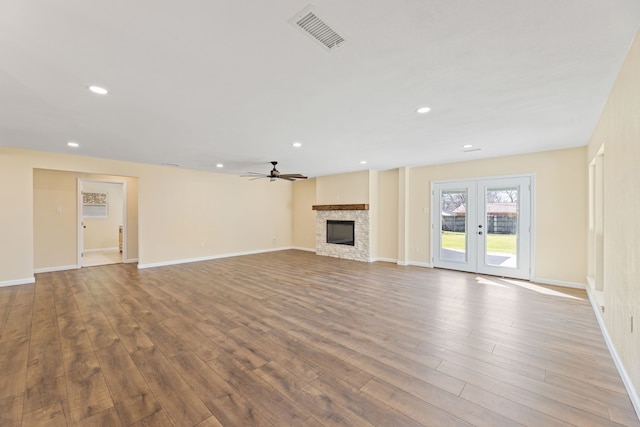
point(356, 207)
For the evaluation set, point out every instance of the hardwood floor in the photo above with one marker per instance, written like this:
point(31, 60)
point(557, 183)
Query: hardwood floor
point(291, 338)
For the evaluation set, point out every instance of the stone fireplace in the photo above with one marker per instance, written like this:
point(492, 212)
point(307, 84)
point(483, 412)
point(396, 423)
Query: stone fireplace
point(359, 213)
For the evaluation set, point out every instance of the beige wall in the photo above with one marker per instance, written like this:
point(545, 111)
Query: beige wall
point(103, 233)
point(183, 214)
point(345, 188)
point(16, 217)
point(388, 215)
point(378, 189)
point(187, 214)
point(55, 242)
point(560, 205)
point(304, 218)
point(374, 209)
point(403, 215)
point(55, 214)
point(131, 228)
point(619, 130)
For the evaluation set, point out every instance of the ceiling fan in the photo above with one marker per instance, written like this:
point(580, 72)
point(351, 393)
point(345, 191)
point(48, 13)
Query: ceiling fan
point(275, 174)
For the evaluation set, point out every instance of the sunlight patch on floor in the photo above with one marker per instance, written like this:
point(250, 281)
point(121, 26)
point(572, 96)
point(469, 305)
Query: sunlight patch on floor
point(526, 285)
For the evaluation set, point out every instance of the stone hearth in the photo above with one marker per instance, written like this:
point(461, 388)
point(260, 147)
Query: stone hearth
point(357, 213)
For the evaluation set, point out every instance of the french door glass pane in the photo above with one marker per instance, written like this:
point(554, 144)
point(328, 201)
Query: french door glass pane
point(453, 208)
point(502, 227)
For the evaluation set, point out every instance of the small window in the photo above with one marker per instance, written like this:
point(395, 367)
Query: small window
point(94, 205)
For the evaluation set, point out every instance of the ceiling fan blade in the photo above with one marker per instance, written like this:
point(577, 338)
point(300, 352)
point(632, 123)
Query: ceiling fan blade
point(274, 174)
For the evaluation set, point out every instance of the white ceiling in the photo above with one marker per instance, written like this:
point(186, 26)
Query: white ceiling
point(201, 82)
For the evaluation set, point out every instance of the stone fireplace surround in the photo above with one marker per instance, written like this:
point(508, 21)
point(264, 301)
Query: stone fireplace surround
point(358, 213)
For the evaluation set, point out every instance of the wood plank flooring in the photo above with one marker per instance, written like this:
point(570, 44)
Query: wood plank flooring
point(291, 338)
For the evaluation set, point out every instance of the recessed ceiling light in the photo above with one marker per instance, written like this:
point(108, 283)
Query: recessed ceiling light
point(99, 90)
point(423, 110)
point(364, 162)
point(73, 144)
point(219, 165)
point(467, 146)
point(297, 144)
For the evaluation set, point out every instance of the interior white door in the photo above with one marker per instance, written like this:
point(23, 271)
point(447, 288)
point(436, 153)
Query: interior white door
point(483, 226)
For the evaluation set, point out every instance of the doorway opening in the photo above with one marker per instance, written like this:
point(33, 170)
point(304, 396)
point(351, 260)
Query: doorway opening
point(101, 222)
point(595, 276)
point(483, 225)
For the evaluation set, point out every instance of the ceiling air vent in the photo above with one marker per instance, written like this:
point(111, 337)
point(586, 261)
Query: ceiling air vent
point(309, 22)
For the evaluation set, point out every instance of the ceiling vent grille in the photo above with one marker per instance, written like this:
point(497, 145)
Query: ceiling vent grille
point(312, 25)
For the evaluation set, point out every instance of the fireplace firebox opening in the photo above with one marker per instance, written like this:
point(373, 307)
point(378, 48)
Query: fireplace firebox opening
point(341, 232)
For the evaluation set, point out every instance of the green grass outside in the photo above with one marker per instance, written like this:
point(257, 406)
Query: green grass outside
point(495, 242)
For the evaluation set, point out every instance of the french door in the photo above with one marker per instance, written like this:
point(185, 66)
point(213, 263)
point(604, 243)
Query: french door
point(483, 226)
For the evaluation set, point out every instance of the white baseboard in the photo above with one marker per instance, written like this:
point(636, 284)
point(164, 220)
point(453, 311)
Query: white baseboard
point(381, 259)
point(15, 282)
point(404, 263)
point(130, 260)
point(559, 283)
point(57, 268)
point(208, 258)
point(598, 296)
point(418, 264)
point(102, 250)
point(633, 393)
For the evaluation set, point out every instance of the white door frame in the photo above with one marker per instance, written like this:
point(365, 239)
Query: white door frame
point(80, 182)
point(470, 262)
point(473, 261)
